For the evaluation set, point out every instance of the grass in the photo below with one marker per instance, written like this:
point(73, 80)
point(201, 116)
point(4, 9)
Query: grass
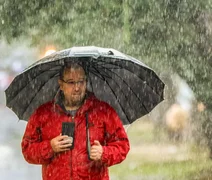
point(153, 159)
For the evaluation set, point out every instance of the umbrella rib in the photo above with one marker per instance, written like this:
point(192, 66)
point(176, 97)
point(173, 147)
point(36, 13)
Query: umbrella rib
point(90, 83)
point(29, 82)
point(113, 93)
point(96, 73)
point(41, 87)
point(127, 86)
point(119, 65)
point(37, 93)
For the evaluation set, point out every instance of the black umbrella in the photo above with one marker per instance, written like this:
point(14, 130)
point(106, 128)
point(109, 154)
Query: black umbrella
point(128, 85)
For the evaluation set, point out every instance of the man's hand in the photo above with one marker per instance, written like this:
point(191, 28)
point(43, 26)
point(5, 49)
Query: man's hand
point(96, 151)
point(61, 143)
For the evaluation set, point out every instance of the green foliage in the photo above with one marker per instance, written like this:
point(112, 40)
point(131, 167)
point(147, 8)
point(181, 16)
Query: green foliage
point(173, 34)
point(65, 23)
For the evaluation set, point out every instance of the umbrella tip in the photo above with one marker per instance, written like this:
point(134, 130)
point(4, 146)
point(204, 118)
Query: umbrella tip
point(110, 53)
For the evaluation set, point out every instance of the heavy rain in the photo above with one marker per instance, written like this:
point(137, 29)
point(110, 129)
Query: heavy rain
point(172, 37)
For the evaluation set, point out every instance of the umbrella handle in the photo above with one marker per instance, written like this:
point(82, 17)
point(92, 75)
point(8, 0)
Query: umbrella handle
point(88, 143)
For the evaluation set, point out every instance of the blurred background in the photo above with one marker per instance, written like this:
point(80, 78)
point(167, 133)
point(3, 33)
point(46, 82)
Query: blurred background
point(173, 37)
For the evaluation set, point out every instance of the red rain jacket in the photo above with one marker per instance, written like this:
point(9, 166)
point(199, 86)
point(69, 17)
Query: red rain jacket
point(104, 126)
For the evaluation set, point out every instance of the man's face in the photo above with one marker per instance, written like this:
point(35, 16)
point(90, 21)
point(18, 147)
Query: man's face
point(73, 86)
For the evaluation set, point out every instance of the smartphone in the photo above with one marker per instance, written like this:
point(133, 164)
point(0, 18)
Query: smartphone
point(68, 129)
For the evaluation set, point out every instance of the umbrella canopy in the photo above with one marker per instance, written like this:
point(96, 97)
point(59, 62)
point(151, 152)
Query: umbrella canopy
point(128, 85)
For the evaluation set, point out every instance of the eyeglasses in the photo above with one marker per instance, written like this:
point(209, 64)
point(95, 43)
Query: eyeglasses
point(73, 83)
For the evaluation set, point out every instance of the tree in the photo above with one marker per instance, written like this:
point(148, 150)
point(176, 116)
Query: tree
point(65, 23)
point(171, 33)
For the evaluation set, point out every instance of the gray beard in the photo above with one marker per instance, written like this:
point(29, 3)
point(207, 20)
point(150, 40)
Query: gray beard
point(74, 103)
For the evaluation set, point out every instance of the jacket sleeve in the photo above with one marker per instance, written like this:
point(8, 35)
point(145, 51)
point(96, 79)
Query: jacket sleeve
point(116, 143)
point(36, 151)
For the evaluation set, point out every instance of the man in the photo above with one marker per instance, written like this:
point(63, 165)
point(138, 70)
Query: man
point(64, 158)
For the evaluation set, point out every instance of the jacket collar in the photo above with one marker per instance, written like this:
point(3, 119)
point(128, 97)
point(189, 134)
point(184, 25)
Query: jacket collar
point(86, 106)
